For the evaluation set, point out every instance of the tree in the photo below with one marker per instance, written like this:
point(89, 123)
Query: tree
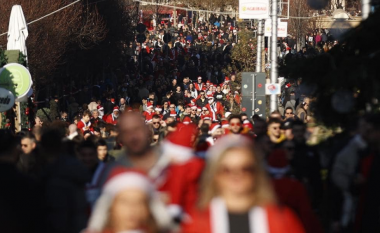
point(49, 38)
point(344, 82)
point(298, 21)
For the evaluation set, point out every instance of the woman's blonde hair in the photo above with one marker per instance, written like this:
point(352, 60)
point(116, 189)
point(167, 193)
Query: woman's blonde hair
point(262, 193)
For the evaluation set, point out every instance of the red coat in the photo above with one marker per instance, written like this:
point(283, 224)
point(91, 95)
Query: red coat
point(279, 220)
point(111, 119)
point(215, 109)
point(84, 126)
point(292, 193)
point(182, 181)
point(148, 116)
point(200, 87)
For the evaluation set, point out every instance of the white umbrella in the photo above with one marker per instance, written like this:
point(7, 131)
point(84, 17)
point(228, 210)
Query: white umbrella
point(17, 30)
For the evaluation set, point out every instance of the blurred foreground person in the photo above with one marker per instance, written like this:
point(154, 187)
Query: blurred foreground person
point(237, 195)
point(20, 202)
point(128, 204)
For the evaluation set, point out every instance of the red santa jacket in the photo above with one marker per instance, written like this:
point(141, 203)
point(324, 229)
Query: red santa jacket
point(148, 116)
point(84, 126)
point(111, 119)
point(200, 86)
point(215, 108)
point(292, 193)
point(268, 219)
point(181, 184)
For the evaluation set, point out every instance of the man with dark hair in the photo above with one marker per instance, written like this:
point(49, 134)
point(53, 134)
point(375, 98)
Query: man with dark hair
point(235, 124)
point(102, 150)
point(274, 131)
point(289, 113)
point(19, 197)
point(156, 123)
point(27, 162)
point(202, 101)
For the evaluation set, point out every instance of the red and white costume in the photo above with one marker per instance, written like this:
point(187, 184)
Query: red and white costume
point(200, 86)
point(266, 219)
point(215, 108)
point(83, 126)
point(148, 114)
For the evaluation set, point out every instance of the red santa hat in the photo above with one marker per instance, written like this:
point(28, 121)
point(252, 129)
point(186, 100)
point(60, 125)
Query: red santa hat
point(206, 117)
point(208, 82)
point(149, 105)
point(179, 145)
point(158, 108)
point(113, 100)
point(210, 96)
point(173, 113)
point(227, 142)
point(278, 164)
point(226, 79)
point(199, 109)
point(247, 124)
point(192, 103)
point(186, 120)
point(225, 124)
point(122, 180)
point(100, 108)
point(194, 107)
point(214, 127)
point(116, 109)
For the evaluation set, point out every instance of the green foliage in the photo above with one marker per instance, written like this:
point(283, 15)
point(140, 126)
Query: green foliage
point(352, 67)
point(3, 58)
point(22, 59)
point(243, 55)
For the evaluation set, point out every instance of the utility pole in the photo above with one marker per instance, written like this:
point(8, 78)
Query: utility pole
point(274, 71)
point(259, 45)
point(366, 8)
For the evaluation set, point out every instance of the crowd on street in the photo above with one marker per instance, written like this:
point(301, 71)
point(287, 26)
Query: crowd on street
point(166, 148)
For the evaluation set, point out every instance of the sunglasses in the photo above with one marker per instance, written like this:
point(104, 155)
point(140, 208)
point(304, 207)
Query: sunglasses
point(156, 123)
point(235, 124)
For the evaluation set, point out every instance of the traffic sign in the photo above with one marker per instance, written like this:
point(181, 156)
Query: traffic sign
point(7, 100)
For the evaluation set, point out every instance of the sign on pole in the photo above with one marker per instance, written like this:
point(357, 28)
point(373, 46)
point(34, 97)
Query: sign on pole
point(254, 9)
point(282, 29)
point(272, 89)
point(16, 78)
point(7, 100)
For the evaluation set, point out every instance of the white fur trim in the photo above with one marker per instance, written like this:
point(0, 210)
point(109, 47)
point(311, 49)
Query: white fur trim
point(258, 220)
point(175, 210)
point(180, 154)
point(128, 180)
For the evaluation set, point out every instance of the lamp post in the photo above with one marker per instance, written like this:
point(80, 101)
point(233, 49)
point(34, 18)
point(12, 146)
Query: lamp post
point(274, 71)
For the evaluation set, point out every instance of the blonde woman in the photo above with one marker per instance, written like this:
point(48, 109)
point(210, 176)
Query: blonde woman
point(128, 204)
point(237, 195)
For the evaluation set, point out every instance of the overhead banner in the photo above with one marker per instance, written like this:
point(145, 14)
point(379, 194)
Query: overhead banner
point(282, 28)
point(254, 9)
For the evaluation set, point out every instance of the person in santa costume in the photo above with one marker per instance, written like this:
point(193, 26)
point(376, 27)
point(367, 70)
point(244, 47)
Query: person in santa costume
point(112, 118)
point(236, 194)
point(199, 86)
point(290, 191)
point(216, 109)
point(85, 124)
point(130, 204)
point(158, 111)
point(148, 114)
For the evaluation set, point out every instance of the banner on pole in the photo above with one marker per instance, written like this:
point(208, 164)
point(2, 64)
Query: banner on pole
point(282, 28)
point(254, 9)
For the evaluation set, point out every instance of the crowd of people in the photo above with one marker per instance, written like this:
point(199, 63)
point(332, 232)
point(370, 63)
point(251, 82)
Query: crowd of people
point(166, 148)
